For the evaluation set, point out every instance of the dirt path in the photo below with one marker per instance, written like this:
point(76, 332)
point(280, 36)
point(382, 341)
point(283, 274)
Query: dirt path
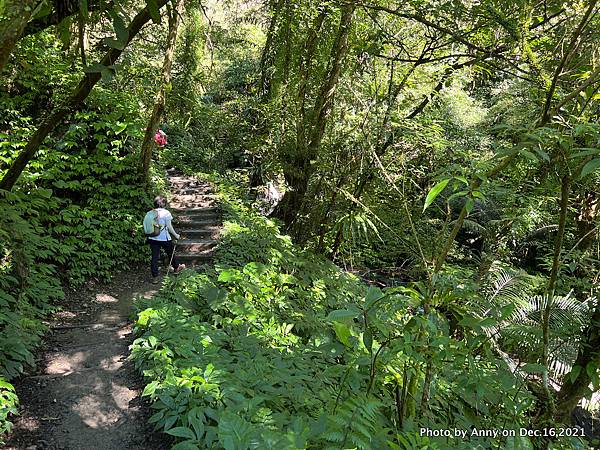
point(85, 394)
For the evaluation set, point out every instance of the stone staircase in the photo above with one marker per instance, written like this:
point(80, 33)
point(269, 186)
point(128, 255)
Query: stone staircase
point(196, 217)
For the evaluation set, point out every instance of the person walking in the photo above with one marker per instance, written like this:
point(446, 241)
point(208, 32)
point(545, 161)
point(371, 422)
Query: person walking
point(163, 239)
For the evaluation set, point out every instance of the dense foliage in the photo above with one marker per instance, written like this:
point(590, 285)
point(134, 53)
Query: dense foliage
point(277, 348)
point(75, 214)
point(446, 152)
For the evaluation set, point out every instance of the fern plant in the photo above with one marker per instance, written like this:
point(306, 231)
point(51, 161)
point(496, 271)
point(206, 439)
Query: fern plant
point(356, 423)
point(508, 299)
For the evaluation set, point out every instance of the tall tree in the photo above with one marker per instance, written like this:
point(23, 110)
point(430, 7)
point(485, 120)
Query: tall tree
point(14, 15)
point(311, 124)
point(159, 105)
point(76, 98)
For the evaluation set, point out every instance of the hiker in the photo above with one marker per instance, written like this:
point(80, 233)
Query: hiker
point(161, 237)
point(160, 138)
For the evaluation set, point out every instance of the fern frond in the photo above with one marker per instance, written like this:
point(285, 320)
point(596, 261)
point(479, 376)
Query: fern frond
point(474, 227)
point(358, 422)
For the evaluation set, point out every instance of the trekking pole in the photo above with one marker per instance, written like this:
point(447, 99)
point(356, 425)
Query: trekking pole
point(171, 260)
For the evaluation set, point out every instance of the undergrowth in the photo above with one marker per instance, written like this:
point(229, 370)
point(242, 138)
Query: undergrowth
point(74, 216)
point(276, 348)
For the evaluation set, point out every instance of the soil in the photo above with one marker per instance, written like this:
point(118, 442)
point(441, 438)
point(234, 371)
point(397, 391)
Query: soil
point(84, 393)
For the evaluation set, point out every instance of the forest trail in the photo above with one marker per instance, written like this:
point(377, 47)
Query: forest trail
point(85, 394)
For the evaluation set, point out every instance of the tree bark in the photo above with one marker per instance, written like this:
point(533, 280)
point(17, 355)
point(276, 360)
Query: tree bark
point(574, 388)
point(159, 104)
point(80, 93)
point(15, 16)
point(308, 140)
point(588, 210)
point(267, 57)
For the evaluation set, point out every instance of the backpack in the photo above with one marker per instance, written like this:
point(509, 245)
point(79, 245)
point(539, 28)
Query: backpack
point(151, 226)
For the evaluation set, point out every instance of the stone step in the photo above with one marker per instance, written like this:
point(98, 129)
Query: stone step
point(182, 227)
point(192, 205)
point(199, 210)
point(196, 217)
point(183, 178)
point(190, 191)
point(199, 216)
point(192, 197)
point(194, 259)
point(196, 245)
point(206, 211)
point(202, 233)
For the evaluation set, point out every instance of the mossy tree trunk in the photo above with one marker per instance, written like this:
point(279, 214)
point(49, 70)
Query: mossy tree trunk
point(159, 105)
point(311, 125)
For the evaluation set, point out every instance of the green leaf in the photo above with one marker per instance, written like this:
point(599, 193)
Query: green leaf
point(150, 388)
point(575, 371)
point(373, 294)
point(228, 275)
point(153, 10)
point(534, 368)
point(63, 30)
point(545, 156)
point(590, 167)
point(488, 322)
point(343, 333)
point(528, 154)
point(518, 443)
point(94, 68)
point(341, 315)
point(107, 74)
point(434, 192)
point(469, 322)
point(43, 10)
point(591, 369)
point(469, 205)
point(182, 432)
point(120, 29)
point(195, 417)
point(113, 43)
point(585, 151)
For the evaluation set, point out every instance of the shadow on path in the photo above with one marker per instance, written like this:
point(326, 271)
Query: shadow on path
point(84, 393)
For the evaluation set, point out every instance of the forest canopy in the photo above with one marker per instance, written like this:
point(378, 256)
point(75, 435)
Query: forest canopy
point(411, 198)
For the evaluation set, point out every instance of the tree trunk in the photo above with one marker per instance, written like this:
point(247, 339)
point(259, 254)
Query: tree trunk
point(15, 15)
point(558, 242)
point(289, 206)
point(309, 137)
point(67, 9)
point(575, 388)
point(159, 104)
point(588, 211)
point(565, 190)
point(268, 54)
point(59, 113)
point(568, 53)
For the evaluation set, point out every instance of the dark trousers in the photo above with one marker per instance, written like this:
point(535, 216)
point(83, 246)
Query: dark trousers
point(168, 247)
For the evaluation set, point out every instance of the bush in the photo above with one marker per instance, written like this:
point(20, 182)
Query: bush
point(277, 348)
